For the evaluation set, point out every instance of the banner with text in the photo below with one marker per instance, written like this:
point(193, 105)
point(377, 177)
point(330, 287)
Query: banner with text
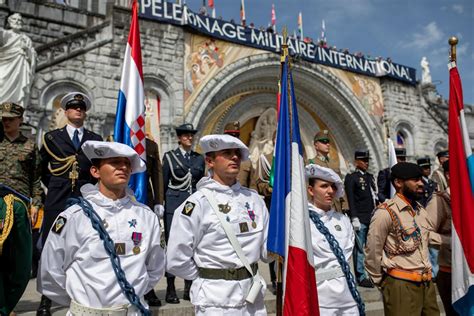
point(177, 14)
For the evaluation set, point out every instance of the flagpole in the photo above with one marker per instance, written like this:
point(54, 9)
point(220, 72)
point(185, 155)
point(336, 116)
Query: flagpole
point(280, 259)
point(453, 41)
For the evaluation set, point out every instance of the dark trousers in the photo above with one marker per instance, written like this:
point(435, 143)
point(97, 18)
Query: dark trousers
point(358, 254)
point(444, 288)
point(408, 298)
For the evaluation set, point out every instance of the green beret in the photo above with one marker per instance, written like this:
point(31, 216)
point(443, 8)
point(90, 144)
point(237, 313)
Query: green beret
point(321, 135)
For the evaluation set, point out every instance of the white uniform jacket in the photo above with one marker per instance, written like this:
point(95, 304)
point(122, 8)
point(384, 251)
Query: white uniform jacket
point(74, 264)
point(335, 292)
point(197, 239)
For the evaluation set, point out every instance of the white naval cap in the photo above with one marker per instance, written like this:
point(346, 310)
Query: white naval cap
point(326, 174)
point(94, 149)
point(75, 99)
point(215, 142)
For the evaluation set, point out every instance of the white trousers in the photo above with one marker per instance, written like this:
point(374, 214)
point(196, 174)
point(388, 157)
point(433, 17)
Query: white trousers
point(346, 311)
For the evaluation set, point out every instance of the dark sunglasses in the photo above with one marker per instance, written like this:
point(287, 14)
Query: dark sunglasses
point(324, 141)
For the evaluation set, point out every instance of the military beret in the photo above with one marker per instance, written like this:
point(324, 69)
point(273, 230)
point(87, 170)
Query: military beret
point(211, 143)
point(443, 153)
point(75, 99)
point(185, 128)
point(405, 171)
point(232, 128)
point(400, 152)
point(326, 174)
point(321, 135)
point(10, 109)
point(361, 154)
point(94, 149)
point(424, 162)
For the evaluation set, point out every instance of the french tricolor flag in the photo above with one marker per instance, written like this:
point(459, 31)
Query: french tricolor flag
point(461, 171)
point(289, 233)
point(130, 117)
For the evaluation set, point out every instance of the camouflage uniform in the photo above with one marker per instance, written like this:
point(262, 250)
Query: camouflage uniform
point(20, 160)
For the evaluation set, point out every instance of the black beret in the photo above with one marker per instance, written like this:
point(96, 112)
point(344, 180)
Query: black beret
point(424, 162)
point(443, 153)
point(361, 154)
point(405, 171)
point(400, 152)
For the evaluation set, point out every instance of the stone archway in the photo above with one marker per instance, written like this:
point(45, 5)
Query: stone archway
point(248, 87)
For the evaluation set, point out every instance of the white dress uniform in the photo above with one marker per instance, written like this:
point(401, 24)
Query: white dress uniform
point(74, 264)
point(334, 295)
point(197, 240)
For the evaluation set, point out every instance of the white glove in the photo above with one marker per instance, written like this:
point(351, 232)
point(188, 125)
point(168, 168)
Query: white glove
point(356, 223)
point(159, 210)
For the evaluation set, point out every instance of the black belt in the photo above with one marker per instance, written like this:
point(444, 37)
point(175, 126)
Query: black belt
point(228, 274)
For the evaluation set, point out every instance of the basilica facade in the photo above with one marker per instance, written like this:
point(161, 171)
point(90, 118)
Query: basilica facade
point(196, 77)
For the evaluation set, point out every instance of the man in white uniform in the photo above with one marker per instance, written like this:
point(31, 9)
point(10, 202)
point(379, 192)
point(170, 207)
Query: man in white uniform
point(334, 295)
point(75, 268)
point(199, 248)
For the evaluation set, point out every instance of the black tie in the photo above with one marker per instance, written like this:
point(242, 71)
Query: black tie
point(75, 140)
point(186, 156)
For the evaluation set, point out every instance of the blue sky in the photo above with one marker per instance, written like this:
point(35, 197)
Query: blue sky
point(403, 30)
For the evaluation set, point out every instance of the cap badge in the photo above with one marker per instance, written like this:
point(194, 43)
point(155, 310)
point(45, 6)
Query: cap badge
point(99, 152)
point(8, 107)
point(79, 97)
point(213, 144)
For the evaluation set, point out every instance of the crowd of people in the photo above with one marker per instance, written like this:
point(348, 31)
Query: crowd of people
point(102, 252)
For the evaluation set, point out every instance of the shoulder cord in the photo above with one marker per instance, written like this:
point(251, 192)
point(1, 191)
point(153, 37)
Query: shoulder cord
point(185, 181)
point(126, 287)
point(68, 161)
point(9, 218)
point(336, 249)
point(401, 235)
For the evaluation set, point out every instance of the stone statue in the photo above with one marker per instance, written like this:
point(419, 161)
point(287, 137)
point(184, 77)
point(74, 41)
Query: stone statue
point(17, 62)
point(261, 141)
point(425, 71)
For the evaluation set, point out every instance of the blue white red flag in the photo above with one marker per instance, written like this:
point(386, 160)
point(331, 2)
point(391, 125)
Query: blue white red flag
point(461, 171)
point(130, 117)
point(289, 232)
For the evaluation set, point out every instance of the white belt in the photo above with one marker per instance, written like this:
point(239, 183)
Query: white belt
point(328, 274)
point(78, 309)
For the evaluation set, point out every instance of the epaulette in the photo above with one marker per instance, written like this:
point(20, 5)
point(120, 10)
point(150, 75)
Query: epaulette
point(5, 190)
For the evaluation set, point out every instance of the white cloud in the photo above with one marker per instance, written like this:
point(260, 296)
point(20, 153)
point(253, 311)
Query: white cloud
point(458, 8)
point(429, 35)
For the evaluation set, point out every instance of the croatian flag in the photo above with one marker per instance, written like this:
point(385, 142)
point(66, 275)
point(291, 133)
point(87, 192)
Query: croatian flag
point(461, 170)
point(130, 117)
point(289, 233)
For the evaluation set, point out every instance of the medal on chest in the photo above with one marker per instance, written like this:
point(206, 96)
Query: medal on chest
point(362, 183)
point(137, 239)
point(251, 215)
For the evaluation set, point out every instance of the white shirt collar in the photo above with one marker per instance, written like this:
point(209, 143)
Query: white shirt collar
point(70, 131)
point(183, 152)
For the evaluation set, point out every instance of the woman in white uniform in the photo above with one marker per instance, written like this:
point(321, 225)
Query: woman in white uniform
point(334, 294)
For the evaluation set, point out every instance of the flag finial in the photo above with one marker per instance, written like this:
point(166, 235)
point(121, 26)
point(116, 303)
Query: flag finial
point(453, 41)
point(284, 46)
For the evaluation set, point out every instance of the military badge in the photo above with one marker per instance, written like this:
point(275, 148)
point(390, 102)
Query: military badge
point(137, 239)
point(78, 97)
point(188, 208)
point(119, 248)
point(224, 208)
point(213, 144)
point(99, 152)
point(7, 107)
point(59, 225)
point(132, 223)
point(338, 228)
point(243, 227)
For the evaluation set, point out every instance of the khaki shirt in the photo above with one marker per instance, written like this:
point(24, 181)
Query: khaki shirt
point(440, 179)
point(439, 212)
point(395, 243)
point(246, 175)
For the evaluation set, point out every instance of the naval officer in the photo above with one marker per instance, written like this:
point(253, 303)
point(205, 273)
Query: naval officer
point(75, 265)
point(225, 275)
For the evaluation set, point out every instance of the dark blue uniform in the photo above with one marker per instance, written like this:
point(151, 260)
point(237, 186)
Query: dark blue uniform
point(429, 189)
point(383, 185)
point(359, 187)
point(60, 187)
point(178, 184)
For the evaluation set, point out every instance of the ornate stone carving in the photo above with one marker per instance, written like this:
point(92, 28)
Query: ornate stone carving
point(425, 71)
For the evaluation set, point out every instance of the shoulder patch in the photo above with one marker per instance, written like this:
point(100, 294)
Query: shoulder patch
point(59, 225)
point(188, 208)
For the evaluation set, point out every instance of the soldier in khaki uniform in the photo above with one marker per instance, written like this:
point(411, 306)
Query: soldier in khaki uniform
point(438, 175)
point(246, 175)
point(439, 211)
point(396, 253)
point(322, 145)
point(19, 157)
